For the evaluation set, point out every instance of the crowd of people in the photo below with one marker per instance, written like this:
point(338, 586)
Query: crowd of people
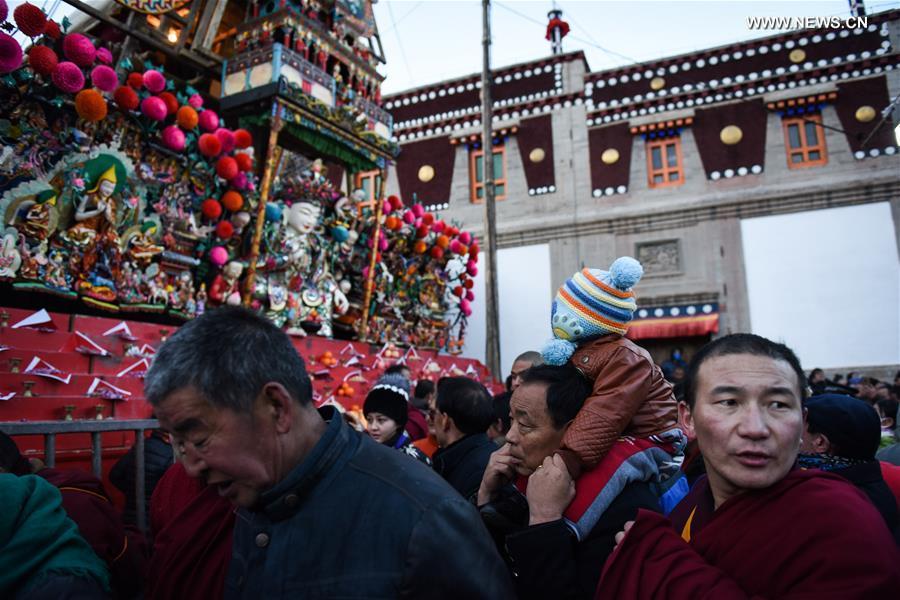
point(596, 474)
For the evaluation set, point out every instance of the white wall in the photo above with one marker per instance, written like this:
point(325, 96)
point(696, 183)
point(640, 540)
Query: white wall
point(826, 283)
point(523, 281)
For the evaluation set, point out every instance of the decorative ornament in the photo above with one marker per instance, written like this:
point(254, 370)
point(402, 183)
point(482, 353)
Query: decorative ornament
point(53, 31)
point(426, 173)
point(865, 113)
point(10, 53)
point(43, 59)
point(211, 209)
point(242, 138)
point(226, 138)
point(244, 161)
point(436, 252)
point(797, 55)
point(173, 138)
point(103, 54)
point(79, 49)
point(537, 155)
point(209, 145)
point(104, 78)
point(68, 77)
point(196, 100)
point(209, 121)
point(126, 98)
point(170, 101)
point(135, 80)
point(226, 168)
point(186, 117)
point(218, 256)
point(4, 10)
point(273, 212)
point(657, 83)
point(153, 108)
point(90, 105)
point(232, 201)
point(154, 81)
point(610, 156)
point(30, 19)
point(731, 135)
point(224, 229)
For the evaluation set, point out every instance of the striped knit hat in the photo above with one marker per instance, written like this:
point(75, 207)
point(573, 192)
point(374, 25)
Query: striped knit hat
point(590, 304)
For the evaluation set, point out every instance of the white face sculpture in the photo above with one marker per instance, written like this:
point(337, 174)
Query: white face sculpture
point(107, 187)
point(303, 217)
point(233, 269)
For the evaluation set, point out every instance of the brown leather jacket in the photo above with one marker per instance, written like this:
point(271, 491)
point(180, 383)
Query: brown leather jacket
point(630, 397)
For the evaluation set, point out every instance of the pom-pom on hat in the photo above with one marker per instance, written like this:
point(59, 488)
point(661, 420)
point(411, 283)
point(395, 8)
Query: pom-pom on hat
point(209, 121)
point(154, 81)
point(126, 97)
point(590, 304)
point(173, 138)
point(154, 108)
point(390, 397)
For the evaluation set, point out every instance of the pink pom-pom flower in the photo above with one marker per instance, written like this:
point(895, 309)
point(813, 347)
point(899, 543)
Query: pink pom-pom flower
point(104, 78)
point(455, 246)
point(240, 181)
point(465, 237)
point(226, 138)
point(79, 49)
point(104, 55)
point(465, 307)
point(68, 77)
point(154, 81)
point(209, 121)
point(10, 53)
point(196, 100)
point(218, 256)
point(472, 268)
point(154, 108)
point(173, 138)
point(418, 210)
point(408, 217)
point(4, 10)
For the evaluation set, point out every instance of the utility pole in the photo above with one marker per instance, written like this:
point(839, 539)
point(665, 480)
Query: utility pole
point(492, 326)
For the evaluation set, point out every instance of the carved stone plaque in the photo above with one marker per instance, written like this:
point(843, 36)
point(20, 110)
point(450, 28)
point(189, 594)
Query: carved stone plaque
point(659, 258)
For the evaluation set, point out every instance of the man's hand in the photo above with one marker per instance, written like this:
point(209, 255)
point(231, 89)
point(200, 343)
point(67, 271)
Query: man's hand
point(621, 535)
point(550, 490)
point(500, 470)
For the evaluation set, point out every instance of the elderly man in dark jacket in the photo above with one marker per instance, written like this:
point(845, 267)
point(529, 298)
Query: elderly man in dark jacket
point(324, 512)
point(463, 413)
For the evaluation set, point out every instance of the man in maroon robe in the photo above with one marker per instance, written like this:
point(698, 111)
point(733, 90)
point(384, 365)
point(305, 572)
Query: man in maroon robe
point(755, 526)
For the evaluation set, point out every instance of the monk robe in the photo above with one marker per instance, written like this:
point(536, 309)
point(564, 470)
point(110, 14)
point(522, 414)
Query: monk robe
point(192, 527)
point(811, 535)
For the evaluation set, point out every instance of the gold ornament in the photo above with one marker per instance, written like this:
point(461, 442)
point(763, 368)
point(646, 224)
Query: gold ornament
point(536, 155)
point(610, 156)
point(426, 173)
point(865, 113)
point(731, 135)
point(797, 56)
point(657, 83)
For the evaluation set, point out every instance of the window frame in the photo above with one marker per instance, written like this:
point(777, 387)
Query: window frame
point(805, 148)
point(665, 170)
point(474, 185)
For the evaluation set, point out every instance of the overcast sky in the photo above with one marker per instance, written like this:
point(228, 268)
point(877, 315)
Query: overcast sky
point(431, 40)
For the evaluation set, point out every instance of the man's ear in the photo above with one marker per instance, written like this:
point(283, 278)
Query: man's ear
point(686, 419)
point(820, 443)
point(278, 406)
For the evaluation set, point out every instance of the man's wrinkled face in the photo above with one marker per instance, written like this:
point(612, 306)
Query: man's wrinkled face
point(532, 435)
point(748, 421)
point(231, 451)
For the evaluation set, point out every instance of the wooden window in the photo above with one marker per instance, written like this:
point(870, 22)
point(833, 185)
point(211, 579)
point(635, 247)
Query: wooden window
point(369, 182)
point(664, 167)
point(476, 173)
point(804, 141)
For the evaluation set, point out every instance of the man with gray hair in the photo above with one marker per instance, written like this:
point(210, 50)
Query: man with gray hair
point(323, 511)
